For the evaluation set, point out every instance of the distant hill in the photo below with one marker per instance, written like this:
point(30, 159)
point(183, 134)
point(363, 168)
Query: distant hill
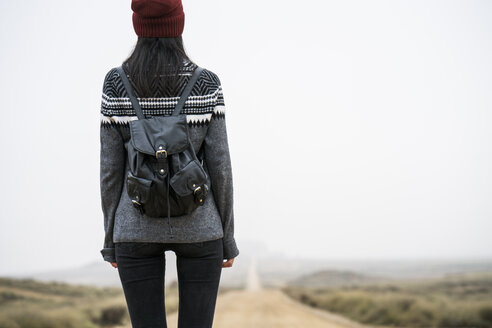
point(276, 269)
point(326, 278)
point(102, 274)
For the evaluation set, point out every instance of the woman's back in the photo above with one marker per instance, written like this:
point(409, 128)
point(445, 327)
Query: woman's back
point(205, 113)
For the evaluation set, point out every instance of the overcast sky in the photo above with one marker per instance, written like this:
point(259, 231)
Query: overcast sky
point(358, 129)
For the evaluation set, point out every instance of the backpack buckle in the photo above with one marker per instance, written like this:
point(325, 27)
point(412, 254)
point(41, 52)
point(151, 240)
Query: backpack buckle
point(200, 193)
point(159, 152)
point(138, 206)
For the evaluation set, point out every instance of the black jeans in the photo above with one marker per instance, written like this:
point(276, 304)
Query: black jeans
point(141, 269)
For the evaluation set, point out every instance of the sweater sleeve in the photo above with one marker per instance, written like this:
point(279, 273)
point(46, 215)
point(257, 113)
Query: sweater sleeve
point(112, 170)
point(218, 161)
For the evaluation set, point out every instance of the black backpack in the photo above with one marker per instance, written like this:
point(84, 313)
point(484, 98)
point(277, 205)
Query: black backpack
point(165, 176)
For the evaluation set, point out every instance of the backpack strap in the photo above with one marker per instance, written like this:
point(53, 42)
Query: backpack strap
point(187, 90)
point(136, 105)
point(201, 155)
point(129, 90)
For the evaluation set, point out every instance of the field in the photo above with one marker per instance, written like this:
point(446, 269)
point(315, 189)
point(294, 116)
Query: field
point(26, 303)
point(460, 300)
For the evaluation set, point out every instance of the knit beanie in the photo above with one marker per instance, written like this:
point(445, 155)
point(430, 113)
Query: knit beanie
point(158, 18)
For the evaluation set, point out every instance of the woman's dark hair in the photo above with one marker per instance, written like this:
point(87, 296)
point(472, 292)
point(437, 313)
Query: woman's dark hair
point(156, 60)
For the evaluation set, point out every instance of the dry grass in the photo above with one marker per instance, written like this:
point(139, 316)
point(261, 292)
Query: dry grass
point(455, 301)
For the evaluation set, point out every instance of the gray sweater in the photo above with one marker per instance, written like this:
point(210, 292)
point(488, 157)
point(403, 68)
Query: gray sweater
point(205, 112)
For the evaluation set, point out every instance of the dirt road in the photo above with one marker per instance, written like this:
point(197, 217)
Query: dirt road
point(257, 307)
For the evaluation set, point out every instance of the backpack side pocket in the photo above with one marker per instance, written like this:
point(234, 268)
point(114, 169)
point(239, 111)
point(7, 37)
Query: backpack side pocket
point(138, 190)
point(189, 178)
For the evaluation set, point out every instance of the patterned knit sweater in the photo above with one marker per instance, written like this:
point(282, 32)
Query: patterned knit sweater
point(205, 113)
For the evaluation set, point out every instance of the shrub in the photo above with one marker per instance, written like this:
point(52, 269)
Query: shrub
point(485, 314)
point(112, 315)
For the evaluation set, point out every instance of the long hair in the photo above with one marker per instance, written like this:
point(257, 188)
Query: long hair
point(156, 60)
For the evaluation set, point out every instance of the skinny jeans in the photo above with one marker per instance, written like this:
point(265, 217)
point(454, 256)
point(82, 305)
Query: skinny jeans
point(141, 268)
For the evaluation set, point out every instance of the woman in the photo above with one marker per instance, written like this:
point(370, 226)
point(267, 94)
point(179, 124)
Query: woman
point(158, 70)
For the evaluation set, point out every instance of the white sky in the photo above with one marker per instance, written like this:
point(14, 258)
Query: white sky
point(358, 129)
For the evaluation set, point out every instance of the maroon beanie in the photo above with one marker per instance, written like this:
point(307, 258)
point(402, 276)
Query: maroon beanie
point(158, 18)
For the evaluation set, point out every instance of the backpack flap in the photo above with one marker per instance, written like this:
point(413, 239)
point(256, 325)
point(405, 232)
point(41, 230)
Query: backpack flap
point(189, 179)
point(168, 132)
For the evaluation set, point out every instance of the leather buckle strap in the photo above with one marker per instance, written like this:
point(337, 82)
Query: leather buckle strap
point(162, 161)
point(162, 166)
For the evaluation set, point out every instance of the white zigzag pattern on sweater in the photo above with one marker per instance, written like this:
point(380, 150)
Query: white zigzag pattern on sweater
point(169, 102)
point(190, 118)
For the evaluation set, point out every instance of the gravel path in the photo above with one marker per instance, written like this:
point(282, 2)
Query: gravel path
point(257, 307)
